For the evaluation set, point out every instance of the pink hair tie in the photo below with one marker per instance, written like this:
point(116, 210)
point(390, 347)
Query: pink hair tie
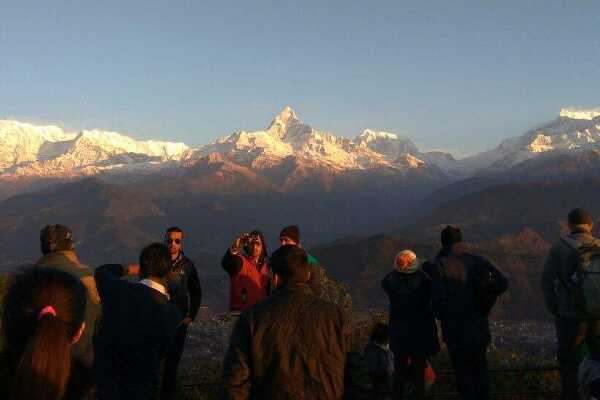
point(45, 311)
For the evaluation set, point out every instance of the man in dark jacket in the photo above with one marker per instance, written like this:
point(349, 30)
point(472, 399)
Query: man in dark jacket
point(185, 292)
point(456, 276)
point(138, 325)
point(573, 325)
point(290, 346)
point(413, 333)
point(58, 252)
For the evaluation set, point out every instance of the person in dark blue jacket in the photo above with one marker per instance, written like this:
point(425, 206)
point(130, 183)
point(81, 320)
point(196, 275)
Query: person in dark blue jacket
point(413, 333)
point(137, 326)
point(456, 277)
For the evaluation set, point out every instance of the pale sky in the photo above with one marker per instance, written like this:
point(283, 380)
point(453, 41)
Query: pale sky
point(458, 76)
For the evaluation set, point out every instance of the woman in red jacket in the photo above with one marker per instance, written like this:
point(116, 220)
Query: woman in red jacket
point(249, 271)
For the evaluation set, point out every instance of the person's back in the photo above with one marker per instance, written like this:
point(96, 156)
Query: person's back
point(458, 301)
point(380, 361)
point(290, 346)
point(413, 332)
point(56, 243)
point(138, 323)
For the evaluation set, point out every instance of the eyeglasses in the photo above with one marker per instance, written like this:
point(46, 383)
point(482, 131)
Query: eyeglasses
point(176, 241)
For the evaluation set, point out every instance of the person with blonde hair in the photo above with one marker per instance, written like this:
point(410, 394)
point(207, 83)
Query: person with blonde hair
point(413, 333)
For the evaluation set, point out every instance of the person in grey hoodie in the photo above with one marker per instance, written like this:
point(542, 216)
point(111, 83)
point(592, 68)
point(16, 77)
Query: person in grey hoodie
point(572, 324)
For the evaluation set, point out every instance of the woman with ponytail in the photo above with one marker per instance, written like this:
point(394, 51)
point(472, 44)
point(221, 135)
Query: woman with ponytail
point(43, 317)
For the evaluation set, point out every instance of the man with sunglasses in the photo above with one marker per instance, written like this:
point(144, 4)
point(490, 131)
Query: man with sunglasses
point(183, 287)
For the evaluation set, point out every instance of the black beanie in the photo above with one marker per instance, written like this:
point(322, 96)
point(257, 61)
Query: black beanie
point(292, 232)
point(579, 216)
point(451, 235)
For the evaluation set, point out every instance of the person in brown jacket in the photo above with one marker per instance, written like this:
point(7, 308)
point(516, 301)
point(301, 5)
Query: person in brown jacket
point(290, 346)
point(58, 252)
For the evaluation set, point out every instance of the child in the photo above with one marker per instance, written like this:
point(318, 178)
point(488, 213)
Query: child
point(589, 372)
point(380, 361)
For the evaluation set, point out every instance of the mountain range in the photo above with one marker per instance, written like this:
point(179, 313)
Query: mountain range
point(363, 197)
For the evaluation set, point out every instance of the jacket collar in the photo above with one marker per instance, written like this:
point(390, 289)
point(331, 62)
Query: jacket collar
point(58, 257)
point(155, 285)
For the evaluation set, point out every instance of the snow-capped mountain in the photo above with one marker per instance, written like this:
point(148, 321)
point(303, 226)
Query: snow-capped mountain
point(288, 136)
point(574, 130)
point(27, 150)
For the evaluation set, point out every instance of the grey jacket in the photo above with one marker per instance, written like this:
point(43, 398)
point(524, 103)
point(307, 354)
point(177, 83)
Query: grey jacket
point(557, 286)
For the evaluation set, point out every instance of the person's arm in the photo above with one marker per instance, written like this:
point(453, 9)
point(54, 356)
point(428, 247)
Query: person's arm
point(232, 263)
point(236, 370)
point(550, 278)
point(108, 278)
point(195, 291)
point(499, 279)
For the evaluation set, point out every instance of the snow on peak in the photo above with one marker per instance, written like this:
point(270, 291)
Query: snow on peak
point(389, 144)
point(30, 150)
point(580, 113)
point(287, 123)
point(288, 136)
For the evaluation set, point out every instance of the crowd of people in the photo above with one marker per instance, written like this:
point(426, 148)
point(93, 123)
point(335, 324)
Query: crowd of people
point(70, 332)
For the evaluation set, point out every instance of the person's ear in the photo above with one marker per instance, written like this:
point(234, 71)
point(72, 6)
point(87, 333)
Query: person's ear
point(78, 333)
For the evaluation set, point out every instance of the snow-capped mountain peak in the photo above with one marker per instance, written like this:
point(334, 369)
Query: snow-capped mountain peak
point(580, 113)
point(288, 135)
point(30, 150)
point(287, 123)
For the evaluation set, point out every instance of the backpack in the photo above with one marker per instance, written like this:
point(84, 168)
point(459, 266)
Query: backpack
point(585, 277)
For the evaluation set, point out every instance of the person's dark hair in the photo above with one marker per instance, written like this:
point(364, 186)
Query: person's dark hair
point(155, 260)
point(55, 238)
point(265, 254)
point(292, 232)
point(579, 216)
point(380, 333)
point(38, 342)
point(174, 229)
point(451, 235)
point(289, 262)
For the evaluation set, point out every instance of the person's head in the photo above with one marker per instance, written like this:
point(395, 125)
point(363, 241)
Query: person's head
point(290, 235)
point(380, 333)
point(43, 316)
point(451, 235)
point(155, 261)
point(405, 260)
point(55, 238)
point(255, 247)
point(174, 241)
point(290, 263)
point(580, 219)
